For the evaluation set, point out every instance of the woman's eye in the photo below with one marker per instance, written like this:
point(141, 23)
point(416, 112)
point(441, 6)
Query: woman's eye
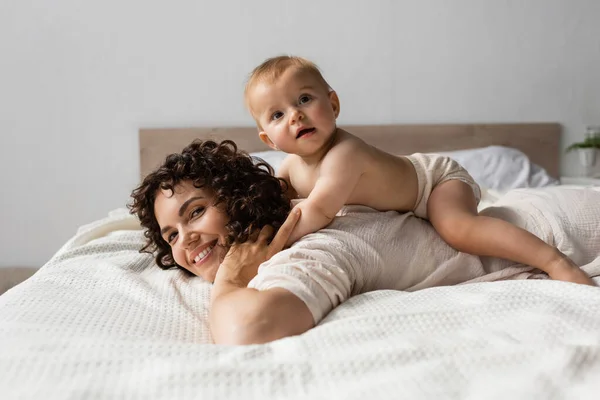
point(171, 237)
point(304, 99)
point(196, 212)
point(276, 115)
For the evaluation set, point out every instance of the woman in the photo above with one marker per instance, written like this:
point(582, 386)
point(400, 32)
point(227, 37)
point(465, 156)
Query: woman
point(212, 211)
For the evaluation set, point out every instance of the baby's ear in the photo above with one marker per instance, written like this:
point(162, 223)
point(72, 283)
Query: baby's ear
point(265, 139)
point(335, 102)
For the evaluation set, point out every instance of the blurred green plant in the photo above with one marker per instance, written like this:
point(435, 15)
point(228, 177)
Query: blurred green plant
point(590, 142)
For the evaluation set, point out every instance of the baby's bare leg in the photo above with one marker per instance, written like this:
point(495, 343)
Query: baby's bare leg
point(452, 210)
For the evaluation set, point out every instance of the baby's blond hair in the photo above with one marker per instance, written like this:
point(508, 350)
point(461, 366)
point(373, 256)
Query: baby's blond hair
point(272, 68)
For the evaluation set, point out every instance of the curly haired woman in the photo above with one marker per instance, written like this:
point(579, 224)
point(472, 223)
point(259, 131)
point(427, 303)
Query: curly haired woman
point(212, 211)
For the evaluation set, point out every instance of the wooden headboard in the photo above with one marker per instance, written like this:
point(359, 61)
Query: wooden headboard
point(540, 141)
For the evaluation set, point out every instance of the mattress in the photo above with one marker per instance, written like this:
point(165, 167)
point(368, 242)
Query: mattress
point(101, 320)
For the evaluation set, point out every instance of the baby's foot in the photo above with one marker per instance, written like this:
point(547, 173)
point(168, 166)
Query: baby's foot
point(564, 269)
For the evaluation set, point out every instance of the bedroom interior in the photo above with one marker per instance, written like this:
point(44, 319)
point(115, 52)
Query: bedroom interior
point(101, 308)
point(89, 112)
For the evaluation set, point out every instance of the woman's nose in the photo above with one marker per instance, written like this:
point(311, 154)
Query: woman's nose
point(188, 237)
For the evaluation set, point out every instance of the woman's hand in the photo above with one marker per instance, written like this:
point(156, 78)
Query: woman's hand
point(242, 260)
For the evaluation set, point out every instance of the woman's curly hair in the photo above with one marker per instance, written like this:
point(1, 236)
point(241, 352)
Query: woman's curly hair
point(244, 186)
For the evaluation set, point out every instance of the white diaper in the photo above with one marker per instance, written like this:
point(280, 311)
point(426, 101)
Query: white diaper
point(433, 169)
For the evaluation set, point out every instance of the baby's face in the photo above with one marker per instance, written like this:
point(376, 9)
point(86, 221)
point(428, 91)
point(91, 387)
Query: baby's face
point(193, 227)
point(297, 113)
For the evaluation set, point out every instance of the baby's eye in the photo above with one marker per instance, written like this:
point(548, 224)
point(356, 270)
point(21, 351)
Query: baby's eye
point(276, 115)
point(196, 212)
point(304, 99)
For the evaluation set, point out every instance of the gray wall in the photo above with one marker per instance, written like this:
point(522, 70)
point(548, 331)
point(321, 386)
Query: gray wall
point(77, 80)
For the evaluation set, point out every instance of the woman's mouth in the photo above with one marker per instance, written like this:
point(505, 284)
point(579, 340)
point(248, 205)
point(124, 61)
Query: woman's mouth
point(204, 254)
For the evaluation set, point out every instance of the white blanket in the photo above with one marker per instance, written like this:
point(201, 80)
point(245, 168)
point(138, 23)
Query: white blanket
point(102, 321)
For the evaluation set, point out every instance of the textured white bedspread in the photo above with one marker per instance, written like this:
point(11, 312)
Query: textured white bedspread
point(102, 321)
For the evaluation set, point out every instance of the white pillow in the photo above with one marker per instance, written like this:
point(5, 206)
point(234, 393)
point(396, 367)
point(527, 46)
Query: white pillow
point(502, 168)
point(272, 157)
point(494, 167)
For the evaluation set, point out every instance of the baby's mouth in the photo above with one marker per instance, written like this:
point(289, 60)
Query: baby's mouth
point(304, 132)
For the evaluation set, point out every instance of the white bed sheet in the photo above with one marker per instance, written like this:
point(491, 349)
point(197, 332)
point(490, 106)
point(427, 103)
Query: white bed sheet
point(102, 321)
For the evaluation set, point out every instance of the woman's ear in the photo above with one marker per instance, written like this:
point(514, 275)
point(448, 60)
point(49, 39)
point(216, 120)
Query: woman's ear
point(266, 140)
point(335, 103)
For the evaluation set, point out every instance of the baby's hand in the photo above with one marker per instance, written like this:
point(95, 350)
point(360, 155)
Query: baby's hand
point(565, 270)
point(241, 262)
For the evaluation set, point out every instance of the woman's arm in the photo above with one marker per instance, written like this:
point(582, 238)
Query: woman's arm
point(248, 316)
point(242, 315)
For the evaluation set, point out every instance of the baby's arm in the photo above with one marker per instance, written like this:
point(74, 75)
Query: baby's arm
point(341, 169)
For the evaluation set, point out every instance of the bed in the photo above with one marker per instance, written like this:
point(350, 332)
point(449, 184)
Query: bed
point(101, 320)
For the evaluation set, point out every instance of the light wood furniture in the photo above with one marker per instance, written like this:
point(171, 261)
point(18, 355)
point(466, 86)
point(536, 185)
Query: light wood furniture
point(580, 181)
point(540, 141)
point(10, 277)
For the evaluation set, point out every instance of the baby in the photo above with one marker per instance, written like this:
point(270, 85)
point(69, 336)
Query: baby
point(296, 110)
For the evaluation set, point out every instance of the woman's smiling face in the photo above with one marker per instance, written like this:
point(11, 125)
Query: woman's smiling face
point(194, 228)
